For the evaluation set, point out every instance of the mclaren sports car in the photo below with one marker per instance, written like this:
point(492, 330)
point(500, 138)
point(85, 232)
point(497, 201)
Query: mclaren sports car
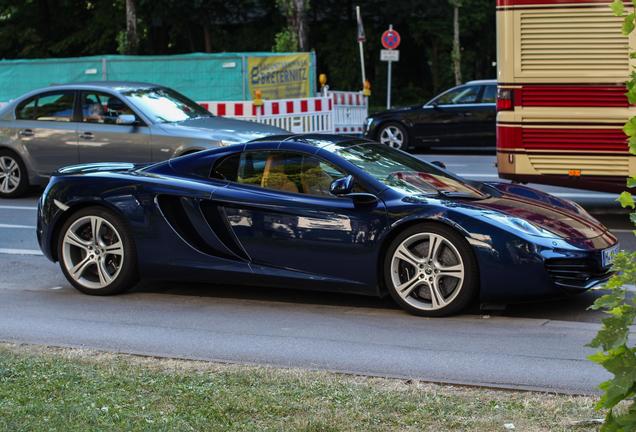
point(320, 212)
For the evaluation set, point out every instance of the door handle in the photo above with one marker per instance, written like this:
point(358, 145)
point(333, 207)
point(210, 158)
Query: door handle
point(87, 135)
point(26, 133)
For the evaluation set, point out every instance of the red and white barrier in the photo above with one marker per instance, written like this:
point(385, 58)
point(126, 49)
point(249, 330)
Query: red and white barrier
point(335, 112)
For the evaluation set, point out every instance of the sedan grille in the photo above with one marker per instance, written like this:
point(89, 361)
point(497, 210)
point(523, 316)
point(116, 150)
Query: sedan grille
point(577, 273)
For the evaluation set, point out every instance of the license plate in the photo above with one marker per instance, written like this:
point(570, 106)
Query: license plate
point(608, 255)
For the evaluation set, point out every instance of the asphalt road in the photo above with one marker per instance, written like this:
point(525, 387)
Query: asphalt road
point(538, 346)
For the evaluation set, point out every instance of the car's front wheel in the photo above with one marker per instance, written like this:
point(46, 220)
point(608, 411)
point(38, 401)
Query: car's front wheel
point(14, 180)
point(97, 253)
point(430, 270)
point(393, 135)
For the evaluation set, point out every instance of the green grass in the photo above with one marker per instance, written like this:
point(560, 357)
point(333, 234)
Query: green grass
point(74, 390)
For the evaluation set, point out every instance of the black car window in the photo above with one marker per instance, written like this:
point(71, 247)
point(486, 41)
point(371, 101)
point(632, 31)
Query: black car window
point(26, 109)
point(459, 95)
point(279, 170)
point(102, 108)
point(490, 94)
point(54, 106)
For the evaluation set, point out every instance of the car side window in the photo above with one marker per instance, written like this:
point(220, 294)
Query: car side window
point(458, 96)
point(56, 106)
point(490, 94)
point(102, 108)
point(279, 170)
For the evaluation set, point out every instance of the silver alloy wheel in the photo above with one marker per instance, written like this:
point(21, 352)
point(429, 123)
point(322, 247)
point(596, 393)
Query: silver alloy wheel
point(427, 271)
point(9, 174)
point(392, 136)
point(93, 252)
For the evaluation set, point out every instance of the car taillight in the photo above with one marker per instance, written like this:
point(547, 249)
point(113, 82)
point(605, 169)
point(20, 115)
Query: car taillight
point(505, 100)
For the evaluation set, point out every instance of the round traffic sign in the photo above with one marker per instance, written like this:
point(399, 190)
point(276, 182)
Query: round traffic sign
point(391, 39)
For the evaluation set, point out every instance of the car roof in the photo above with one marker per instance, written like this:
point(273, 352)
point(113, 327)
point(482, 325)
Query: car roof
point(483, 81)
point(313, 140)
point(117, 86)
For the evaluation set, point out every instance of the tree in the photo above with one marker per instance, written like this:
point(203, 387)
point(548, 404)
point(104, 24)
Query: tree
point(132, 38)
point(456, 54)
point(296, 13)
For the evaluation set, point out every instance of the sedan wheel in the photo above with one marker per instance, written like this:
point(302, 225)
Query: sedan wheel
point(13, 181)
point(430, 271)
point(394, 136)
point(96, 254)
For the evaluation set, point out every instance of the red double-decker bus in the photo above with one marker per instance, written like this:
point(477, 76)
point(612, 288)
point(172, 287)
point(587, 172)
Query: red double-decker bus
point(561, 71)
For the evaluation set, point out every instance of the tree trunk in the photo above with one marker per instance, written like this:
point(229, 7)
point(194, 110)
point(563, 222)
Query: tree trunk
point(132, 39)
point(457, 56)
point(207, 38)
point(301, 24)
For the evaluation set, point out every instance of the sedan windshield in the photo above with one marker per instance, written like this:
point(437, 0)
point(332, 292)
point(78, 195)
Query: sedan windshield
point(164, 105)
point(406, 173)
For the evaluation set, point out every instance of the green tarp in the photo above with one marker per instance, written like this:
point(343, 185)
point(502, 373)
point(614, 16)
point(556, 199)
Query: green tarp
point(200, 76)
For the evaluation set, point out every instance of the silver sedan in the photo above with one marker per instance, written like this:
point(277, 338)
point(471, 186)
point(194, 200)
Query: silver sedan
point(106, 122)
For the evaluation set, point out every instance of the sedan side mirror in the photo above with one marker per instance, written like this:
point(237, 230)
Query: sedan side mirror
point(341, 186)
point(126, 119)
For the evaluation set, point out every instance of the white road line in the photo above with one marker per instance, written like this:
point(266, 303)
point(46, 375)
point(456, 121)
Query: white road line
point(11, 226)
point(14, 207)
point(621, 230)
point(584, 195)
point(20, 251)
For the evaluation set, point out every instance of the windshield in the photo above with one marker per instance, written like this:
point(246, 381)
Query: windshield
point(165, 105)
point(405, 173)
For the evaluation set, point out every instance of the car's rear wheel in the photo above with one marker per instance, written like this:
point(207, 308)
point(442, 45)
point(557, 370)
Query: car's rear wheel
point(97, 253)
point(14, 180)
point(430, 270)
point(393, 135)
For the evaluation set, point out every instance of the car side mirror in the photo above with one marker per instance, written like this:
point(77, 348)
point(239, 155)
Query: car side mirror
point(341, 186)
point(126, 120)
point(440, 164)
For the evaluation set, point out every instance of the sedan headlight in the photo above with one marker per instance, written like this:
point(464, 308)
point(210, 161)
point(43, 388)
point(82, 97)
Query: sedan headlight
point(521, 225)
point(369, 122)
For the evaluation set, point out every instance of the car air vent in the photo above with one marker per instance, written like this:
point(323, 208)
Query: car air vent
point(575, 273)
point(173, 210)
point(217, 220)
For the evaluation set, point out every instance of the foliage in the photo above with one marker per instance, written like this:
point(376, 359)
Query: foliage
point(617, 355)
point(285, 41)
point(67, 28)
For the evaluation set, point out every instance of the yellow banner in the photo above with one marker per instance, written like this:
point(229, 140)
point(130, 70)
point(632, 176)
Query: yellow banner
point(280, 77)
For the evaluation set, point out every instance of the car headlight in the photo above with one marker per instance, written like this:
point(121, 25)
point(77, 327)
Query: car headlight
point(369, 122)
point(521, 225)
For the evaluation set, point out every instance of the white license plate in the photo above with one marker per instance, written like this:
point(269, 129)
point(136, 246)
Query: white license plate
point(608, 255)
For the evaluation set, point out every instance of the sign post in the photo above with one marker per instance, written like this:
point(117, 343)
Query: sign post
point(361, 39)
point(390, 41)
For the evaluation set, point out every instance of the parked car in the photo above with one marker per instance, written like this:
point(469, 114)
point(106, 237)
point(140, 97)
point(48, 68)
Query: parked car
point(319, 212)
point(106, 122)
point(463, 116)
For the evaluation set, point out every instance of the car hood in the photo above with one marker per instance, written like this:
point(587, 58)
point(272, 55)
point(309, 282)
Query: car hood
point(222, 128)
point(396, 110)
point(545, 211)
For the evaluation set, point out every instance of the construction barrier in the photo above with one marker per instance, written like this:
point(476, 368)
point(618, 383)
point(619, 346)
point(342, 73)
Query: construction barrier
point(334, 112)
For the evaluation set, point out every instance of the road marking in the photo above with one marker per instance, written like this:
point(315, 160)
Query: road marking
point(14, 207)
point(20, 251)
point(478, 175)
point(17, 226)
point(622, 230)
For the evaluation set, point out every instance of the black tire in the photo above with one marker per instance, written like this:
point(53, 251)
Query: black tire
point(21, 171)
point(416, 302)
point(395, 126)
point(123, 279)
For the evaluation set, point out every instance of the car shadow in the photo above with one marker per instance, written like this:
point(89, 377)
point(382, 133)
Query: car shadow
point(572, 308)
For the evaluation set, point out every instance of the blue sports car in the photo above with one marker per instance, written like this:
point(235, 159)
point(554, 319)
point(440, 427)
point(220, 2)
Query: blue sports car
point(323, 213)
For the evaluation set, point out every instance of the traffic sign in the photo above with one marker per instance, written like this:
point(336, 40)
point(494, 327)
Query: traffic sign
point(391, 39)
point(390, 55)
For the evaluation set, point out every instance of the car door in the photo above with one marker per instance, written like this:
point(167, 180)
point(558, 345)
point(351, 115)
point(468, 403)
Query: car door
point(102, 139)
point(279, 208)
point(450, 119)
point(485, 115)
point(45, 127)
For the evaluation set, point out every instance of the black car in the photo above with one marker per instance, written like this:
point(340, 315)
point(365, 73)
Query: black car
point(463, 116)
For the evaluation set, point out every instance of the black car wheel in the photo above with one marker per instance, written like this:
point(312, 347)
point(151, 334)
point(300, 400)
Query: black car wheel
point(430, 270)
point(14, 180)
point(394, 135)
point(96, 252)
